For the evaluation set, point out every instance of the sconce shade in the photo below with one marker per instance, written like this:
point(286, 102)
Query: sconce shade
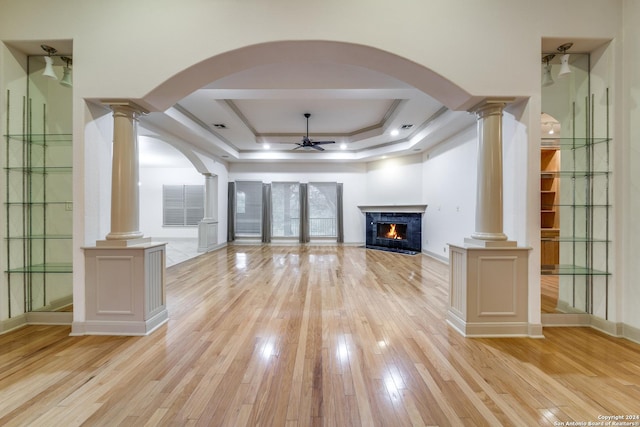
point(564, 66)
point(66, 77)
point(547, 80)
point(48, 68)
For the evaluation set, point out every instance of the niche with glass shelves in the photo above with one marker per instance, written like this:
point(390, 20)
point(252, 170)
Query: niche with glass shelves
point(38, 200)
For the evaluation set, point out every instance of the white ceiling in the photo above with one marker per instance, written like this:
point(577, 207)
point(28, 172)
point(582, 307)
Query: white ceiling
point(265, 106)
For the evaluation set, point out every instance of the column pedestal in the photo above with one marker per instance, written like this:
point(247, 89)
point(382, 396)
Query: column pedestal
point(489, 274)
point(488, 296)
point(208, 227)
point(124, 290)
point(207, 235)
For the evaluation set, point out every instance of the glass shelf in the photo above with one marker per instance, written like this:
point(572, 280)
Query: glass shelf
point(37, 203)
point(579, 205)
point(41, 237)
point(43, 268)
point(41, 170)
point(572, 174)
point(573, 239)
point(569, 270)
point(570, 143)
point(61, 139)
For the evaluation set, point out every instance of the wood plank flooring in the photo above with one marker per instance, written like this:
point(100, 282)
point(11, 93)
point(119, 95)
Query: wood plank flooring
point(312, 335)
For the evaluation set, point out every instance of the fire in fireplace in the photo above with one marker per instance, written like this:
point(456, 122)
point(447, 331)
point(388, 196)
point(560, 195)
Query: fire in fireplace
point(392, 231)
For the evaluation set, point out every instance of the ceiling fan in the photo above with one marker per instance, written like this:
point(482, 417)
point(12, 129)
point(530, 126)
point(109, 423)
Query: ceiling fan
point(308, 143)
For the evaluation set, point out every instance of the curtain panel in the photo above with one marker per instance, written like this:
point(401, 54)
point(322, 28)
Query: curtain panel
point(231, 212)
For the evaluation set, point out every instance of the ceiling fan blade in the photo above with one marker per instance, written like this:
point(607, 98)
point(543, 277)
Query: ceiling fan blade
point(299, 146)
point(323, 142)
point(316, 147)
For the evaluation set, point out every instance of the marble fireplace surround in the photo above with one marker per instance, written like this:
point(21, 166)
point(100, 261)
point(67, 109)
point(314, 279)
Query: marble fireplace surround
point(411, 215)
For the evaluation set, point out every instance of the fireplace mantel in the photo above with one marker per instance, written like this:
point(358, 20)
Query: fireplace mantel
point(393, 208)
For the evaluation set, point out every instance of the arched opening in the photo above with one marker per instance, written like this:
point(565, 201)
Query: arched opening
point(214, 68)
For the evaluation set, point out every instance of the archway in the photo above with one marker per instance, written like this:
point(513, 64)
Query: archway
point(216, 67)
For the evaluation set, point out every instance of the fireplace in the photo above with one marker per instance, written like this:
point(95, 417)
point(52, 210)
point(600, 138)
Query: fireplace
point(394, 231)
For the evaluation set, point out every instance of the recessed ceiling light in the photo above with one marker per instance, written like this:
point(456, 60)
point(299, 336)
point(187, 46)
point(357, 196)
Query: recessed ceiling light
point(266, 146)
point(395, 132)
point(343, 146)
point(219, 126)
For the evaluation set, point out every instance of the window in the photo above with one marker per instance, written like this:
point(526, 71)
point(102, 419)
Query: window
point(248, 208)
point(285, 209)
point(182, 205)
point(322, 209)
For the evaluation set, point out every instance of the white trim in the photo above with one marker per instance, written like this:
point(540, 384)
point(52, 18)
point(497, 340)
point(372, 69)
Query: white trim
point(393, 208)
point(120, 328)
point(13, 323)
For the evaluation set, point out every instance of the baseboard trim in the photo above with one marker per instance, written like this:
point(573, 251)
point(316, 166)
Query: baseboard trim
point(437, 257)
point(490, 330)
point(13, 323)
point(120, 328)
point(631, 333)
point(50, 318)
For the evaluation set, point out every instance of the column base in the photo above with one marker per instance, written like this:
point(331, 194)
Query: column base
point(127, 235)
point(491, 243)
point(489, 236)
point(123, 243)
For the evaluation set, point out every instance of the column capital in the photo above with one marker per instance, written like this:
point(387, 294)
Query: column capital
point(490, 106)
point(124, 106)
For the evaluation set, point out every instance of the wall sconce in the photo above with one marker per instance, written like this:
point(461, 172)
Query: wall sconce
point(48, 68)
point(547, 80)
point(66, 72)
point(564, 60)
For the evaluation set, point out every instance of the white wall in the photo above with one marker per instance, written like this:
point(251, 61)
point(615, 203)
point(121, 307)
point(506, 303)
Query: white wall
point(395, 181)
point(449, 176)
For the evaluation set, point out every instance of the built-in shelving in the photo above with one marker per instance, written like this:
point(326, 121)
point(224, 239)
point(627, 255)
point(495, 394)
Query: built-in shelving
point(575, 210)
point(39, 207)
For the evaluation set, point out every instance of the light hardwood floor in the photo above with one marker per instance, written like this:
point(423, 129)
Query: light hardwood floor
point(301, 336)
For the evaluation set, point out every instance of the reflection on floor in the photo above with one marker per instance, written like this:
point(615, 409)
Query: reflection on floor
point(179, 249)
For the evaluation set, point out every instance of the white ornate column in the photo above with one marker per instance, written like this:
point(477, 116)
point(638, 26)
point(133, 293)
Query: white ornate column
point(489, 173)
point(124, 274)
point(125, 203)
point(208, 227)
point(489, 207)
point(489, 274)
point(210, 197)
